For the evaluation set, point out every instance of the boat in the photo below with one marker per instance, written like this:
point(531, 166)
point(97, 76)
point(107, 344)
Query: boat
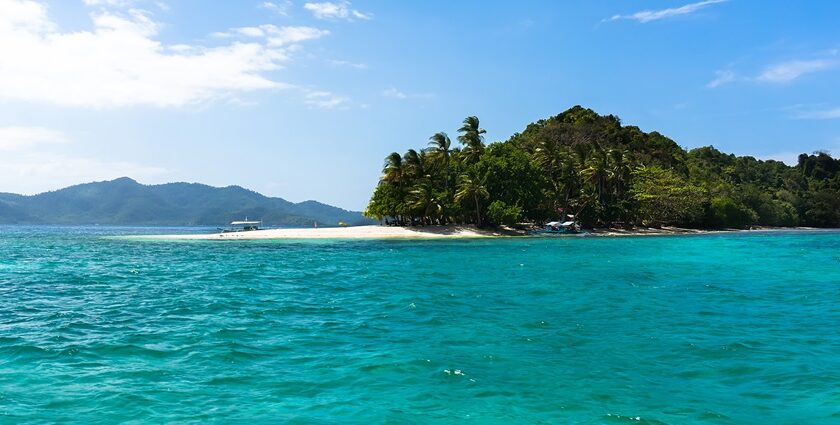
point(569, 227)
point(242, 226)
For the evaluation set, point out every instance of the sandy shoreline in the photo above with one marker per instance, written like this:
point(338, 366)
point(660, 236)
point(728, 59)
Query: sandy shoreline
point(426, 232)
point(354, 232)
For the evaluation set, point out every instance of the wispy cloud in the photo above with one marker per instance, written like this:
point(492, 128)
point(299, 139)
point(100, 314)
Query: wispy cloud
point(786, 72)
point(394, 93)
point(781, 72)
point(646, 16)
point(16, 138)
point(348, 63)
point(124, 3)
point(279, 8)
point(336, 10)
point(721, 78)
point(325, 100)
point(117, 3)
point(821, 114)
point(121, 61)
point(276, 36)
point(39, 162)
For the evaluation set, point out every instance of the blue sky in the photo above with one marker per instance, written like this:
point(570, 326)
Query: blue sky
point(303, 99)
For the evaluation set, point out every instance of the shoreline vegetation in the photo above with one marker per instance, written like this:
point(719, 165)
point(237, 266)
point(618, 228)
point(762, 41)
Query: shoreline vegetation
point(442, 232)
point(611, 179)
point(603, 173)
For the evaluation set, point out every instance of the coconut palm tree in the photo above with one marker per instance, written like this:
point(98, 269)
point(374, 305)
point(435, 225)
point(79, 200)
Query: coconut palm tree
point(414, 164)
point(597, 170)
point(422, 200)
point(568, 165)
point(621, 169)
point(472, 139)
point(392, 171)
point(472, 189)
point(440, 150)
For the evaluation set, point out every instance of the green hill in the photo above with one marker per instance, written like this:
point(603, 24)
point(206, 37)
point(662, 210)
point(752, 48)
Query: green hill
point(124, 201)
point(606, 174)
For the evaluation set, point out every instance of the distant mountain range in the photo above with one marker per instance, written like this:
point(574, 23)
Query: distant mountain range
point(126, 202)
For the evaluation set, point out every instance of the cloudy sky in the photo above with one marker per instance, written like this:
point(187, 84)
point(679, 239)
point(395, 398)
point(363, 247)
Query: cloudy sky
point(303, 99)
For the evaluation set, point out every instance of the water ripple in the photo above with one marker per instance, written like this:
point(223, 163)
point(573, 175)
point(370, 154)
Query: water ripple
point(700, 330)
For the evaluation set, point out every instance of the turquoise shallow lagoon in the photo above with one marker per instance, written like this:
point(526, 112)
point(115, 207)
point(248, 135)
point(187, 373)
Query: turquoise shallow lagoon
point(716, 329)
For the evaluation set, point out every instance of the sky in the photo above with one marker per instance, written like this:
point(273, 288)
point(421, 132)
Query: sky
point(303, 99)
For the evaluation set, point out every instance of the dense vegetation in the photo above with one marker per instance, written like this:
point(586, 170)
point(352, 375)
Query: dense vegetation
point(607, 174)
point(124, 201)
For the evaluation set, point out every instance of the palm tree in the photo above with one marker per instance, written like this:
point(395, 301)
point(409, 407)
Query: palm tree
point(621, 165)
point(621, 169)
point(414, 164)
point(473, 189)
point(597, 170)
point(422, 200)
point(440, 150)
point(472, 139)
point(392, 171)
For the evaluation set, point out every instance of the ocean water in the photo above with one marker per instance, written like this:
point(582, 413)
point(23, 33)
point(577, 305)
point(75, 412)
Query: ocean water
point(717, 329)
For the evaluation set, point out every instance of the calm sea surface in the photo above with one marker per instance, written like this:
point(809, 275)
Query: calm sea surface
point(718, 329)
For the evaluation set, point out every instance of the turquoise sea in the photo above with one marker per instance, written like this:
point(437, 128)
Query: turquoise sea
point(716, 329)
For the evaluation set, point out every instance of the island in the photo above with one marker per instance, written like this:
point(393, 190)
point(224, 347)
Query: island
point(608, 178)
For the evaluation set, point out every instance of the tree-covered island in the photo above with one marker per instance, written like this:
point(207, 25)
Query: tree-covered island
point(605, 173)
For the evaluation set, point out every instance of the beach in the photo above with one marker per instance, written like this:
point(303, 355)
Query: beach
point(352, 232)
point(431, 232)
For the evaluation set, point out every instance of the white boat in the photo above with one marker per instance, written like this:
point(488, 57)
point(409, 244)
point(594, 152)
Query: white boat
point(242, 226)
point(556, 227)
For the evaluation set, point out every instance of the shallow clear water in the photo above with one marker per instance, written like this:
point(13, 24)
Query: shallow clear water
point(718, 329)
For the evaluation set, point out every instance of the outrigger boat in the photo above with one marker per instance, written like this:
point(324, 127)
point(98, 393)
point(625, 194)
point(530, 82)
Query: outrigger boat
point(242, 226)
point(569, 227)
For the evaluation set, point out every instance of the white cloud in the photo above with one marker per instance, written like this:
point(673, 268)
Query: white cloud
point(23, 16)
point(124, 3)
point(276, 36)
point(786, 72)
point(35, 165)
point(117, 3)
point(360, 15)
point(394, 93)
point(325, 100)
point(348, 63)
point(288, 35)
point(792, 158)
point(825, 114)
point(20, 138)
point(119, 62)
point(781, 72)
point(646, 16)
point(35, 173)
point(279, 8)
point(722, 77)
point(251, 31)
point(337, 10)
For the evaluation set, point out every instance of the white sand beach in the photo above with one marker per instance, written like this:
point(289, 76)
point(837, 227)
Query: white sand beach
point(433, 232)
point(354, 232)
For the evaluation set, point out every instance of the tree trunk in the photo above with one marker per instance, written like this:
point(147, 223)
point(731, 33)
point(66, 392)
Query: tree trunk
point(477, 212)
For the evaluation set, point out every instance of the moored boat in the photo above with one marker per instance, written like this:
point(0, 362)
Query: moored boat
point(568, 227)
point(242, 226)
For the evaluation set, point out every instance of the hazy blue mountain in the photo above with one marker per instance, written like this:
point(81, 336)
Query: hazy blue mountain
point(124, 201)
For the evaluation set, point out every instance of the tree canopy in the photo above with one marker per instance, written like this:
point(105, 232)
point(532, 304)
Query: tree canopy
point(605, 173)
